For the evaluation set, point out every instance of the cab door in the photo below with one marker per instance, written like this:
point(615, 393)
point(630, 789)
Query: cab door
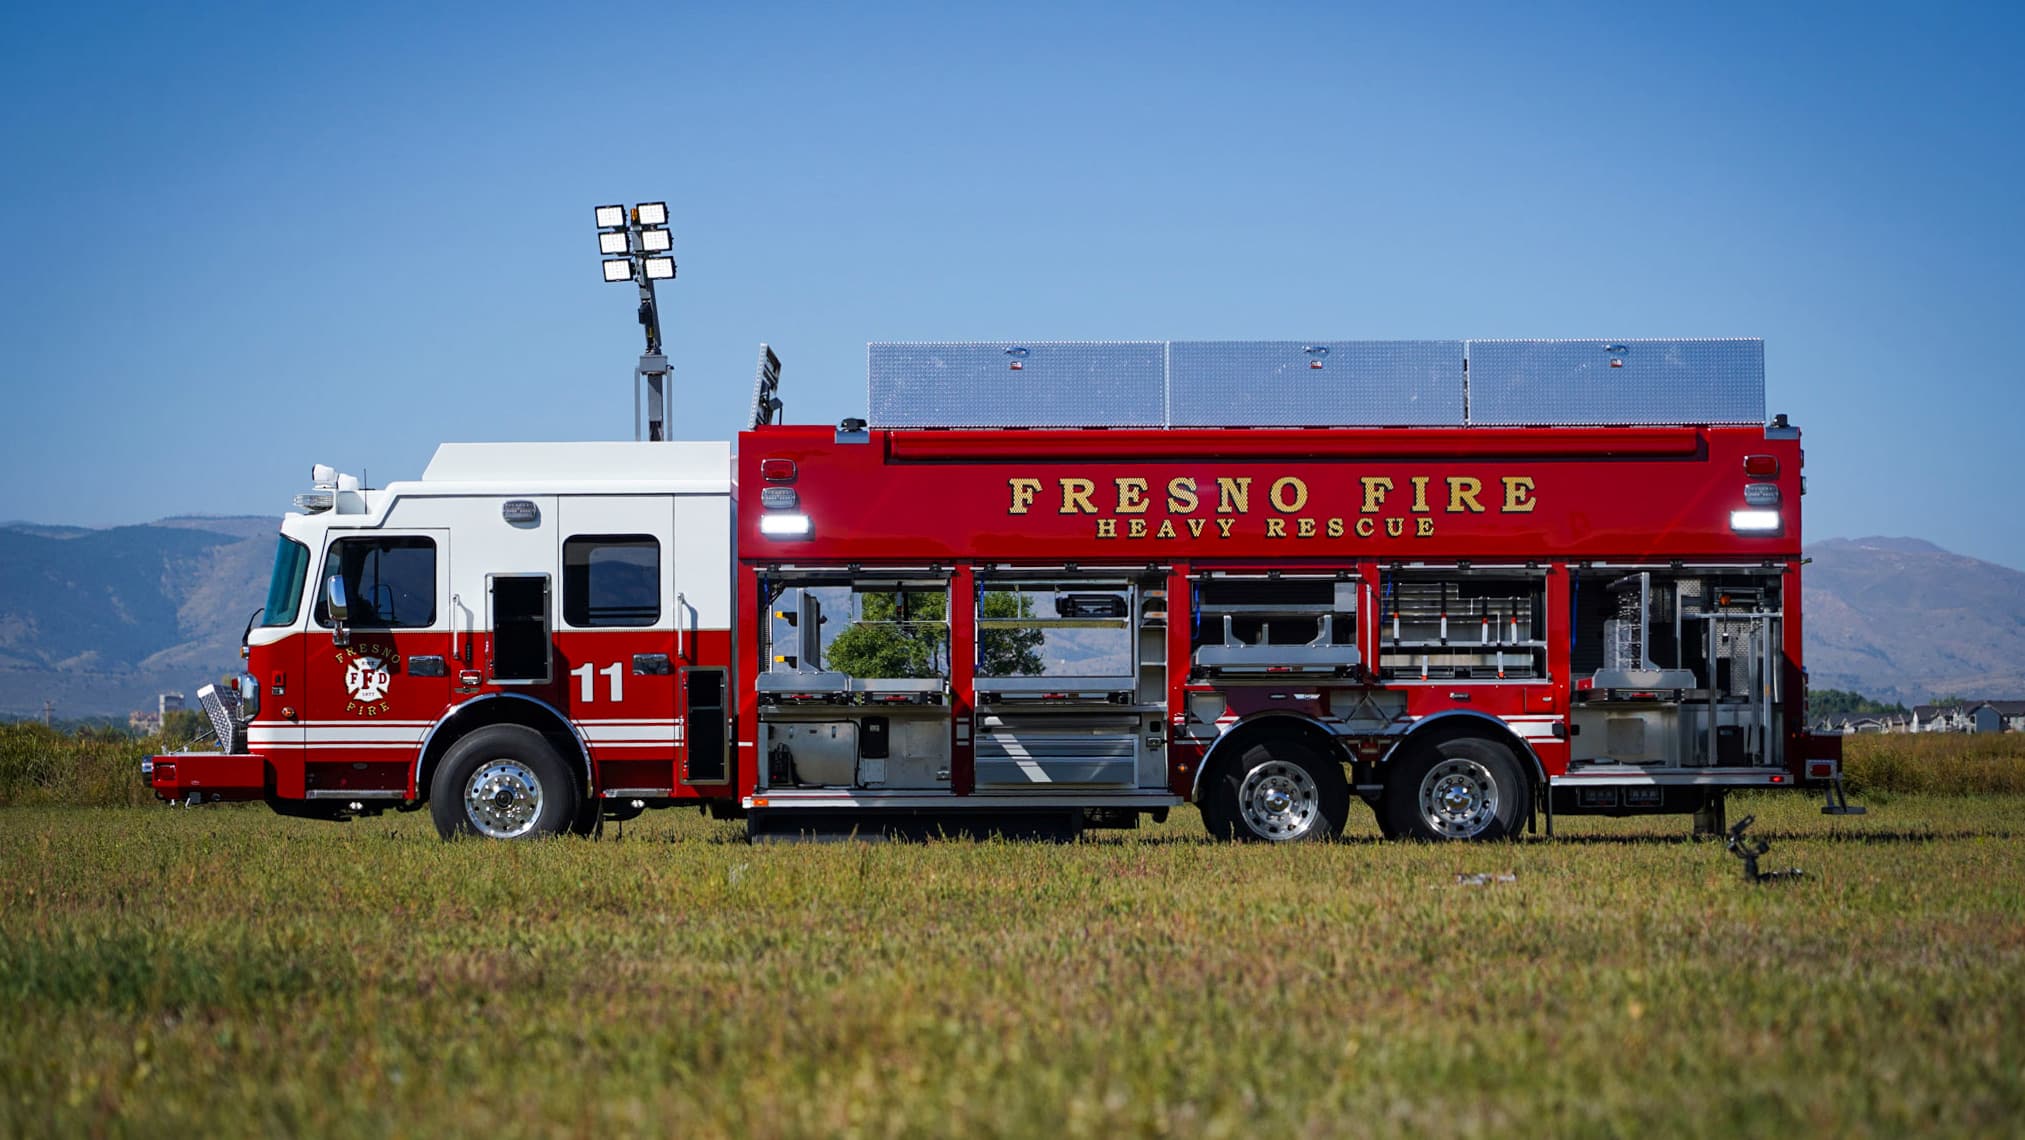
point(375, 682)
point(615, 638)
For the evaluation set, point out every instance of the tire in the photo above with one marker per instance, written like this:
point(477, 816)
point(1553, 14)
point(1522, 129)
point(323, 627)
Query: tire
point(502, 782)
point(1279, 791)
point(1466, 788)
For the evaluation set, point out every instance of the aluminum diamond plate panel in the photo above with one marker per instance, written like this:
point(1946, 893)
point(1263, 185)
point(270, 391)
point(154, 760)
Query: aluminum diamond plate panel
point(1616, 382)
point(1265, 383)
point(1018, 384)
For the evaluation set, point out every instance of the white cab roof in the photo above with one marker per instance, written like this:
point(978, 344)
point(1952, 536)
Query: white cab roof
point(691, 467)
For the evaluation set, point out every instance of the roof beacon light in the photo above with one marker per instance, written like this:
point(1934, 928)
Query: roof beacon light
point(1754, 521)
point(611, 217)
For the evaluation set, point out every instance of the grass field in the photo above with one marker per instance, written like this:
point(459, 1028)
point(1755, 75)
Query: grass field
point(223, 971)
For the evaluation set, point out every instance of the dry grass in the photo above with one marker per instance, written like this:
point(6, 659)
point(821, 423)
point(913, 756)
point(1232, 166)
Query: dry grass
point(1945, 763)
point(223, 971)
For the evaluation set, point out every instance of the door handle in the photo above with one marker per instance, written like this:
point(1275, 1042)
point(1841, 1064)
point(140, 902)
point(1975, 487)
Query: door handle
point(681, 620)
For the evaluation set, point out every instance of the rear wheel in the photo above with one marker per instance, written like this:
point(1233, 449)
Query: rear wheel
point(1278, 791)
point(1464, 788)
point(502, 782)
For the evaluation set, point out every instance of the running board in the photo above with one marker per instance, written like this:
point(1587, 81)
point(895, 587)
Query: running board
point(835, 799)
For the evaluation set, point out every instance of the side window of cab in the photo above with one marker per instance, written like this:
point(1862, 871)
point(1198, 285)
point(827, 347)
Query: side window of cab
point(390, 581)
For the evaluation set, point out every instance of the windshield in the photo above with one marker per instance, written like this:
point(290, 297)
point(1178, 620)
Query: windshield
point(284, 589)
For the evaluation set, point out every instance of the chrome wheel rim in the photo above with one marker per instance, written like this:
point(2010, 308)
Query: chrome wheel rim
point(503, 799)
point(1459, 798)
point(1279, 801)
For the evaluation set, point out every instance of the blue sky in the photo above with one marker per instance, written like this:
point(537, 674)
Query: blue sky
point(234, 242)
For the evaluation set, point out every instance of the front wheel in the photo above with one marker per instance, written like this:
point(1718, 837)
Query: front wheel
point(1465, 788)
point(1281, 791)
point(502, 782)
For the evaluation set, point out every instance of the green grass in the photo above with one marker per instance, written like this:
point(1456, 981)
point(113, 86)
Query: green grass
point(223, 971)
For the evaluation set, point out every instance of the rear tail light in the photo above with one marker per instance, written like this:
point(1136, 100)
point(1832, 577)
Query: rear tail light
point(1761, 466)
point(777, 470)
point(1821, 769)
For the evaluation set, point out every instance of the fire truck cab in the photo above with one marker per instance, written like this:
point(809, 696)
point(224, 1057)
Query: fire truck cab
point(1469, 585)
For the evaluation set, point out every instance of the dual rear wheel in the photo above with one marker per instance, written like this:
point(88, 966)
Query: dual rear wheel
point(1284, 790)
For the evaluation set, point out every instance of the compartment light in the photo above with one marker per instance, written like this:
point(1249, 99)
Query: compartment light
point(784, 526)
point(1754, 521)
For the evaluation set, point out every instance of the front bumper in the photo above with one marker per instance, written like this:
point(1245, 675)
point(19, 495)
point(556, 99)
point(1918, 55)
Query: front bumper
point(207, 775)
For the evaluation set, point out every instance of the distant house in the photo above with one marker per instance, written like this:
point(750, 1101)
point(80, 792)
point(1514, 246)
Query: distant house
point(1941, 718)
point(1998, 716)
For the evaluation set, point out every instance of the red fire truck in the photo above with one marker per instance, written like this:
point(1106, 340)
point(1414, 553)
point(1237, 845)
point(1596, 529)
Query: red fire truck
point(1471, 585)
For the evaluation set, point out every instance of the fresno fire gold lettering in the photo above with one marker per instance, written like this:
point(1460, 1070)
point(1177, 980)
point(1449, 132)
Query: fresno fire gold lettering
point(1023, 492)
point(1360, 505)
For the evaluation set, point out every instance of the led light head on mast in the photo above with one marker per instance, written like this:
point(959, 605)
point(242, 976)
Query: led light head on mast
point(612, 244)
point(656, 241)
point(619, 270)
point(659, 268)
point(651, 213)
point(611, 217)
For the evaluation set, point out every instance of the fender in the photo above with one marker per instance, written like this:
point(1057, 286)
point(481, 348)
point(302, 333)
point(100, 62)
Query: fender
point(1483, 722)
point(1305, 723)
point(457, 715)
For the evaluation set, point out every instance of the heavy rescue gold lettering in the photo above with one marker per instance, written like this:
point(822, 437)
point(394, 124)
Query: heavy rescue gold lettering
point(1304, 528)
point(1395, 527)
point(1519, 494)
point(1424, 528)
point(1181, 498)
point(1291, 486)
point(1076, 497)
point(1375, 487)
point(1233, 496)
point(1136, 529)
point(1276, 528)
point(1366, 528)
point(1195, 527)
point(1420, 494)
point(1107, 528)
point(1223, 527)
point(1023, 492)
point(1166, 529)
point(1335, 528)
point(1462, 494)
point(1132, 496)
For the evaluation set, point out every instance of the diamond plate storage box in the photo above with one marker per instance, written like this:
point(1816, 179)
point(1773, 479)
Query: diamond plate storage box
point(1266, 383)
point(978, 384)
point(1549, 382)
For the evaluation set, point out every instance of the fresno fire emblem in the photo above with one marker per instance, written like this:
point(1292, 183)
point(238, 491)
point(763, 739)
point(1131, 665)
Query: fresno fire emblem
point(369, 676)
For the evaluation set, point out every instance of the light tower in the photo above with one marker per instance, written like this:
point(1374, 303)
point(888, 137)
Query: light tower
point(637, 247)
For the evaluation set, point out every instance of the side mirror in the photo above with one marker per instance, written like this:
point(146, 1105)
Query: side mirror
point(340, 612)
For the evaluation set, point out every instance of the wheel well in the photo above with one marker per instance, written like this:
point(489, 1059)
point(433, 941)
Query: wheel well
point(1452, 726)
point(1267, 726)
point(504, 708)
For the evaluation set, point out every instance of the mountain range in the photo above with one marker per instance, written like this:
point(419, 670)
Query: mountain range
point(100, 621)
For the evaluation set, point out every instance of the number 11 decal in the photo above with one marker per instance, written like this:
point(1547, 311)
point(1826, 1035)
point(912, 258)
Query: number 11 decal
point(587, 688)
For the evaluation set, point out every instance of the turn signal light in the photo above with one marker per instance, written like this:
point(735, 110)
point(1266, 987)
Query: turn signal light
point(777, 470)
point(1761, 466)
